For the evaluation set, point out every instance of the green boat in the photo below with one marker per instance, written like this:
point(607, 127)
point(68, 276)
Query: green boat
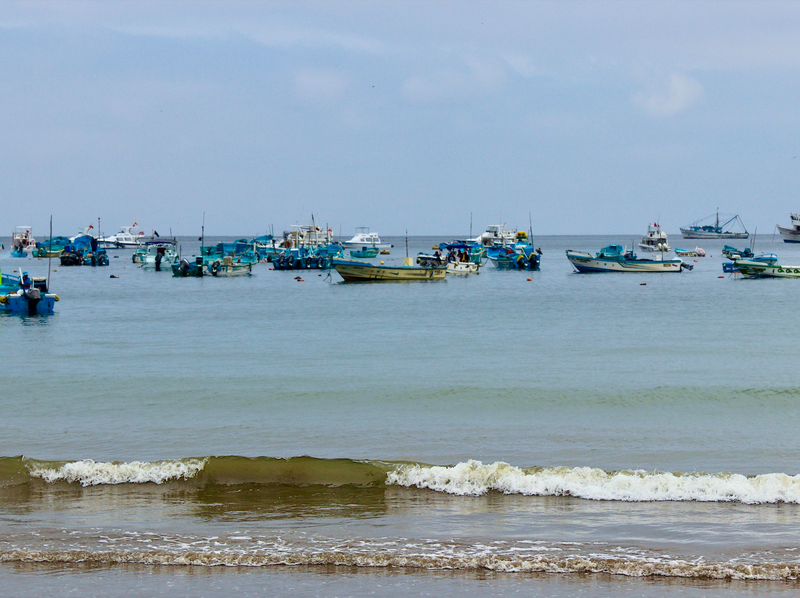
point(364, 252)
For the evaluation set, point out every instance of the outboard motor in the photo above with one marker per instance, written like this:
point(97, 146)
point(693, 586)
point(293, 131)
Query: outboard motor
point(32, 296)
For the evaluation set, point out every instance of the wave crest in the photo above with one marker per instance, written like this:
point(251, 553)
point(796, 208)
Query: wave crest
point(92, 473)
point(473, 478)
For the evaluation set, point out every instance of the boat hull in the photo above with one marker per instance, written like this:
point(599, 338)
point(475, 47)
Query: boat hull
point(584, 262)
point(18, 303)
point(463, 268)
point(789, 235)
point(352, 271)
point(756, 269)
point(693, 234)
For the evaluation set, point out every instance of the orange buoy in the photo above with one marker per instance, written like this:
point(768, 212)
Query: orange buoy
point(530, 279)
point(642, 284)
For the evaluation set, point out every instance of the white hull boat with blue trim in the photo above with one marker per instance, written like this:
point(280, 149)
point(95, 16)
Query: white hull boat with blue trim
point(614, 258)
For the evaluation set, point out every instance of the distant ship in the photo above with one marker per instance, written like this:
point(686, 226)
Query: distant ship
point(791, 235)
point(699, 230)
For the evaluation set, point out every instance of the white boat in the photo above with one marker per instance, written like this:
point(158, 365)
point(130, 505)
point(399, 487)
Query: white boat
point(497, 235)
point(655, 239)
point(126, 237)
point(227, 266)
point(791, 234)
point(306, 235)
point(765, 266)
point(696, 252)
point(160, 255)
point(364, 238)
point(614, 258)
point(463, 268)
point(22, 242)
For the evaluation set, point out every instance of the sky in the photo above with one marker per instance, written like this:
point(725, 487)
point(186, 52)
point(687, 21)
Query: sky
point(584, 117)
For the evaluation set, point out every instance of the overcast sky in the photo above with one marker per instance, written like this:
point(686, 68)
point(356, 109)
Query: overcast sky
point(595, 117)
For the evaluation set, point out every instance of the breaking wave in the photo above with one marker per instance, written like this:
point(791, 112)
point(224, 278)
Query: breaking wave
point(474, 478)
point(470, 478)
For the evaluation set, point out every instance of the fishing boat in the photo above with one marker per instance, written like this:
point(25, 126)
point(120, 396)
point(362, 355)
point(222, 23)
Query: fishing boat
point(764, 258)
point(159, 255)
point(364, 252)
point(364, 238)
point(765, 268)
point(696, 252)
point(734, 254)
point(522, 258)
point(614, 258)
point(229, 266)
point(24, 295)
point(84, 251)
point(791, 234)
point(186, 269)
point(358, 271)
point(51, 247)
point(655, 239)
point(22, 242)
point(456, 262)
point(125, 237)
point(704, 229)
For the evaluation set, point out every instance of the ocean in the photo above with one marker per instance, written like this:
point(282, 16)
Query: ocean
point(572, 434)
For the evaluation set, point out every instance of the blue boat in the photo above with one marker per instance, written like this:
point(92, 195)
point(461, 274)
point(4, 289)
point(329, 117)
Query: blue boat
point(83, 250)
point(24, 295)
point(522, 258)
point(364, 252)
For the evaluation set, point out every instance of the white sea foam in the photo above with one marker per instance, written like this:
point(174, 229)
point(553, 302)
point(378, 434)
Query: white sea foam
point(633, 567)
point(474, 478)
point(91, 473)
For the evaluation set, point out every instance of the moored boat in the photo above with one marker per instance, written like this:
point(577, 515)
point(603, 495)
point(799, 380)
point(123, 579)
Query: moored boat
point(159, 255)
point(696, 252)
point(22, 242)
point(614, 258)
point(358, 271)
point(364, 252)
point(733, 253)
point(791, 234)
point(364, 238)
point(765, 268)
point(25, 295)
point(127, 236)
point(655, 239)
point(704, 229)
point(51, 247)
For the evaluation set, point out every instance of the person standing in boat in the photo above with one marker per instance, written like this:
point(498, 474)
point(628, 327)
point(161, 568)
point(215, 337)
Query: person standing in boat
point(25, 283)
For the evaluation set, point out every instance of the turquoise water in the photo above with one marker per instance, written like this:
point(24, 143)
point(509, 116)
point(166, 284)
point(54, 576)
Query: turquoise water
point(687, 385)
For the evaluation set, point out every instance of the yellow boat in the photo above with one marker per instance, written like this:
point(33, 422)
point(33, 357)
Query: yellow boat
point(358, 271)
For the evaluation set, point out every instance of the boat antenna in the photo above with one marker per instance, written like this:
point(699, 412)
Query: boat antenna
point(203, 233)
point(470, 225)
point(753, 240)
point(406, 242)
point(49, 254)
point(530, 228)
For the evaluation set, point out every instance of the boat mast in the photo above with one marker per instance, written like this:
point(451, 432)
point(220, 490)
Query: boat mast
point(49, 254)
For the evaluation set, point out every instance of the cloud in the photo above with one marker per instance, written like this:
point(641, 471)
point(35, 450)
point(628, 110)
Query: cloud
point(521, 64)
point(320, 86)
point(475, 77)
point(681, 93)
